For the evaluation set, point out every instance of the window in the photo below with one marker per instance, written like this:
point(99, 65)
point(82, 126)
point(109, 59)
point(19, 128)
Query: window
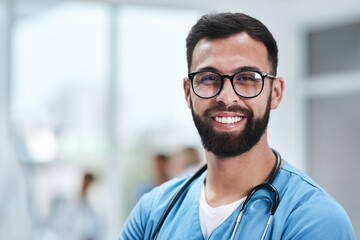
point(60, 71)
point(334, 49)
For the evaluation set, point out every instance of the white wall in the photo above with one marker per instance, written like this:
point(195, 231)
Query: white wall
point(13, 200)
point(4, 24)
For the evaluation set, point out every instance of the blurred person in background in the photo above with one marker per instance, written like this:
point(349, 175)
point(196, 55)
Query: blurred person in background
point(75, 220)
point(184, 162)
point(88, 222)
point(247, 190)
point(160, 173)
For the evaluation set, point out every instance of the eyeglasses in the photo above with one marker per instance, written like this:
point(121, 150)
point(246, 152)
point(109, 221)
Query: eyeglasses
point(246, 84)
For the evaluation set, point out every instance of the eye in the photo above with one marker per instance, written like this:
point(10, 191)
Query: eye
point(247, 78)
point(207, 78)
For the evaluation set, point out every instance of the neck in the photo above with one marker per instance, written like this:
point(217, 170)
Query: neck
point(229, 179)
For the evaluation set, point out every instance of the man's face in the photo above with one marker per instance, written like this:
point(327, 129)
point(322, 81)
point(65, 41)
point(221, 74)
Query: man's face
point(228, 124)
point(227, 144)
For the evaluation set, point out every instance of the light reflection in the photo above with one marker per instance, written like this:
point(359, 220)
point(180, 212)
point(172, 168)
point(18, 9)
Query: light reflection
point(42, 144)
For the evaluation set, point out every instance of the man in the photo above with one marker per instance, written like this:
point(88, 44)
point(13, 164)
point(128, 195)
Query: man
point(231, 88)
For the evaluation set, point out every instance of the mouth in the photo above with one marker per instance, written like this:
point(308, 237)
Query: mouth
point(227, 120)
point(231, 119)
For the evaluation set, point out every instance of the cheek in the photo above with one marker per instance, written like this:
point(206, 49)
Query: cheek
point(266, 106)
point(258, 105)
point(199, 105)
point(196, 105)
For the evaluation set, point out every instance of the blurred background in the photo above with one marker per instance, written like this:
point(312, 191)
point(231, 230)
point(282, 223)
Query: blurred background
point(92, 111)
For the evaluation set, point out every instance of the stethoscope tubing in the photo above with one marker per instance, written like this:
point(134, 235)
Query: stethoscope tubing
point(174, 200)
point(268, 185)
point(274, 205)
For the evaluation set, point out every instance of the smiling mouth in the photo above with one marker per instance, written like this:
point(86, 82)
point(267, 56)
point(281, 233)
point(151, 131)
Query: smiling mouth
point(228, 120)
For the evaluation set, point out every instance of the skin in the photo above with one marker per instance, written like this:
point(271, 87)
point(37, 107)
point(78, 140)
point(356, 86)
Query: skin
point(230, 179)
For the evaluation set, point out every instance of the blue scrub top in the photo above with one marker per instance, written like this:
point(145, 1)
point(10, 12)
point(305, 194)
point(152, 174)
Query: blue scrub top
point(305, 211)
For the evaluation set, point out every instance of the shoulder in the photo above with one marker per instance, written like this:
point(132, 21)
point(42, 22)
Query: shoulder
point(149, 209)
point(311, 213)
point(162, 193)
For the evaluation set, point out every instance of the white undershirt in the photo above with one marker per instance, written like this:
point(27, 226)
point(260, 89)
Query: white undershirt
point(211, 218)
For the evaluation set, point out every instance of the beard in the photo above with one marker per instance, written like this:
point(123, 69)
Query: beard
point(226, 144)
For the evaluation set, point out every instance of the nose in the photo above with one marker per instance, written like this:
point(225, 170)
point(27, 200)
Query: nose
point(227, 95)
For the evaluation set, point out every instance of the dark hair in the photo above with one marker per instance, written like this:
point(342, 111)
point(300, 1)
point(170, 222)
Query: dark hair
point(223, 25)
point(161, 157)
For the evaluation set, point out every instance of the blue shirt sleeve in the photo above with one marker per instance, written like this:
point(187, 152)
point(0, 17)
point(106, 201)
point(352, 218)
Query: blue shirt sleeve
point(318, 219)
point(134, 228)
point(147, 212)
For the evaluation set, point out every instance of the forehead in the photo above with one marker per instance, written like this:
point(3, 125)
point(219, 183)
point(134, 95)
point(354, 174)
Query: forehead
point(229, 54)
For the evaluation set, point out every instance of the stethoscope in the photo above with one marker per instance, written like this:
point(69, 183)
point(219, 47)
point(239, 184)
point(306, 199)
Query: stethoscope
point(266, 186)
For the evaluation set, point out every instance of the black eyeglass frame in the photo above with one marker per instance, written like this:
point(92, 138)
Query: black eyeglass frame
point(231, 78)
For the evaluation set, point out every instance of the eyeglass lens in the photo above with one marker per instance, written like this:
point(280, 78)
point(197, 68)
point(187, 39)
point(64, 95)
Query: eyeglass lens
point(246, 84)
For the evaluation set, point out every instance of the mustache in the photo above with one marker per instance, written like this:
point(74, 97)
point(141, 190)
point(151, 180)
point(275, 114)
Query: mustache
point(234, 108)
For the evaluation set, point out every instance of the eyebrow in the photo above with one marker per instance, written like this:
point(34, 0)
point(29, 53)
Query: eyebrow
point(243, 68)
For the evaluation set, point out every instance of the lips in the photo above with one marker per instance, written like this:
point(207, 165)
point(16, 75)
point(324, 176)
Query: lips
point(227, 120)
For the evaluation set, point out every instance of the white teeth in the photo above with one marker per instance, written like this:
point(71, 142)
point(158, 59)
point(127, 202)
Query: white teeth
point(228, 120)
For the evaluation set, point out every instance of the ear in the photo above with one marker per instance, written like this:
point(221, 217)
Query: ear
point(277, 92)
point(187, 91)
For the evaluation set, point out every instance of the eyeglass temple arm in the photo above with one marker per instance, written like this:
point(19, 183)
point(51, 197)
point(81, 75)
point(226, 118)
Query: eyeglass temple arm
point(268, 75)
